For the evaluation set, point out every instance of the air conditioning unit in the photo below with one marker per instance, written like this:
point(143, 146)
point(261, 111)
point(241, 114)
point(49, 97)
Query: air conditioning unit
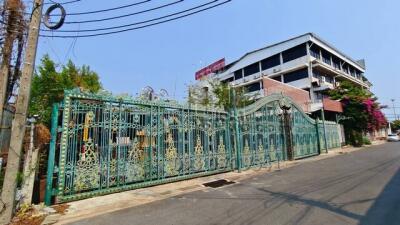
point(276, 70)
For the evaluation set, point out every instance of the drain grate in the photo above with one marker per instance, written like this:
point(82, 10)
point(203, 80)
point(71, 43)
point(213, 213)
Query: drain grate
point(218, 183)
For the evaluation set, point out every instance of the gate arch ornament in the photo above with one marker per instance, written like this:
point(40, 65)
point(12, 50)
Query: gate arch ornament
point(277, 126)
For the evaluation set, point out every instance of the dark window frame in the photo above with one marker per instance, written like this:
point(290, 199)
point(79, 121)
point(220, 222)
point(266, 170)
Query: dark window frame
point(326, 57)
point(277, 78)
point(315, 51)
point(251, 69)
point(253, 87)
point(295, 75)
point(228, 80)
point(238, 74)
point(294, 53)
point(271, 62)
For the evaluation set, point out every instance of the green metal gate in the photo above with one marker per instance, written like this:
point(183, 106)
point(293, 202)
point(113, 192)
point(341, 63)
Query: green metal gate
point(103, 144)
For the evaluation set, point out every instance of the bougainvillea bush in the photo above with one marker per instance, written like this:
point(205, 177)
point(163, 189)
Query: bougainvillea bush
point(362, 111)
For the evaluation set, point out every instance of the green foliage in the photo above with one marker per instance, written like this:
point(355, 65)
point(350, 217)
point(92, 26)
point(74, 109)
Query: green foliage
point(222, 92)
point(354, 138)
point(366, 141)
point(395, 125)
point(20, 179)
point(350, 91)
point(361, 111)
point(217, 94)
point(352, 98)
point(48, 85)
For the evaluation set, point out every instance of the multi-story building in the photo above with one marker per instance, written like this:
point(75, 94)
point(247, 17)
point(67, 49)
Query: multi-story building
point(303, 67)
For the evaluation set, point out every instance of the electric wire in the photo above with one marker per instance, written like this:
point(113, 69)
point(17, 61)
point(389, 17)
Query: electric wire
point(109, 9)
point(140, 27)
point(61, 3)
point(125, 15)
point(134, 24)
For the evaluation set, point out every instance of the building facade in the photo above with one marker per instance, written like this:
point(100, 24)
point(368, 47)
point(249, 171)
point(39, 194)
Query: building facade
point(304, 68)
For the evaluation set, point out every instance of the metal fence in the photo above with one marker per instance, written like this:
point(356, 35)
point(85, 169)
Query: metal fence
point(103, 144)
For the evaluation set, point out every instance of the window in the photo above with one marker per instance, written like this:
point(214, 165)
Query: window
point(314, 51)
point(316, 74)
point(252, 69)
point(294, 53)
point(296, 75)
point(326, 57)
point(270, 62)
point(278, 78)
point(228, 80)
point(352, 72)
point(238, 74)
point(253, 87)
point(345, 68)
point(336, 62)
point(329, 79)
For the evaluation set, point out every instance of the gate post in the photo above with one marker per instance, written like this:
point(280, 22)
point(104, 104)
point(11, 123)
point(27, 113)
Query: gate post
point(237, 130)
point(50, 162)
point(288, 134)
point(324, 127)
point(318, 140)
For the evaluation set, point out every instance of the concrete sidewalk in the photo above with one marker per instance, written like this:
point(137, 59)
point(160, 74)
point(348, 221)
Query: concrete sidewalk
point(92, 207)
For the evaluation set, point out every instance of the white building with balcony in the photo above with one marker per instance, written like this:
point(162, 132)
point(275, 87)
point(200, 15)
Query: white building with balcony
point(305, 62)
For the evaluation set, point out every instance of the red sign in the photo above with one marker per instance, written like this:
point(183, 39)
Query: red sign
point(218, 65)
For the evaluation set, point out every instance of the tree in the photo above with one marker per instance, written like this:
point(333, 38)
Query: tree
point(222, 91)
point(361, 110)
point(395, 125)
point(217, 94)
point(48, 85)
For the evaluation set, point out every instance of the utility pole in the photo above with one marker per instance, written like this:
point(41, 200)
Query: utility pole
point(394, 110)
point(19, 122)
point(6, 52)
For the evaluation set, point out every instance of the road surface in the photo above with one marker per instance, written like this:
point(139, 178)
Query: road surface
point(362, 187)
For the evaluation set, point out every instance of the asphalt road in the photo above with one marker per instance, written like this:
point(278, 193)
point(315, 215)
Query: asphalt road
point(362, 187)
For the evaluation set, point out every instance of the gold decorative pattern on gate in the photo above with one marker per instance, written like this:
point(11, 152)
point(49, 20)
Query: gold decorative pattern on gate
point(87, 168)
point(134, 166)
point(221, 153)
point(171, 168)
point(246, 154)
point(261, 153)
point(198, 152)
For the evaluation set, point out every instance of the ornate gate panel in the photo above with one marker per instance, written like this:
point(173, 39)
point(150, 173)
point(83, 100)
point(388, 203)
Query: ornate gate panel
point(262, 134)
point(332, 135)
point(304, 133)
point(275, 128)
point(111, 144)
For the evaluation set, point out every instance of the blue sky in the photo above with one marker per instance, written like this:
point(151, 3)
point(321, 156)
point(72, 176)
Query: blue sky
point(167, 56)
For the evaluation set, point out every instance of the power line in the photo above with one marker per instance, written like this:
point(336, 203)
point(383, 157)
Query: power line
point(145, 21)
point(109, 9)
point(140, 27)
point(61, 3)
point(125, 15)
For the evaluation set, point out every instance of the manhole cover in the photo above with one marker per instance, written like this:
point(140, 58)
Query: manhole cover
point(218, 183)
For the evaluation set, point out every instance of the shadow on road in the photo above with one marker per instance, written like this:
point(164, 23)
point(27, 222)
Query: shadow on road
point(386, 209)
